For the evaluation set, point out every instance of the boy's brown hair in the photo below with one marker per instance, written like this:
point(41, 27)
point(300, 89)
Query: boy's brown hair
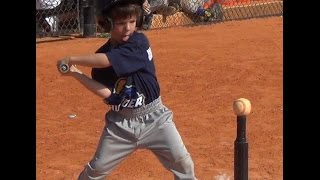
point(120, 9)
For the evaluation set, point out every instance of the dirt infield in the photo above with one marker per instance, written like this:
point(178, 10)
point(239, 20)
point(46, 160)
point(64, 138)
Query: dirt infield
point(201, 70)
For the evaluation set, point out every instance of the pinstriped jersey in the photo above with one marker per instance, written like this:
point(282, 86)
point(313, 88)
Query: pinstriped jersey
point(131, 76)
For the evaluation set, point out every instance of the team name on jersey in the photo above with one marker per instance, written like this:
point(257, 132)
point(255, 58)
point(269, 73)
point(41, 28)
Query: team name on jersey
point(130, 103)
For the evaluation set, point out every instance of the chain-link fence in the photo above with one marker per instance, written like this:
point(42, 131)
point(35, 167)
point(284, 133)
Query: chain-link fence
point(66, 17)
point(196, 12)
point(57, 17)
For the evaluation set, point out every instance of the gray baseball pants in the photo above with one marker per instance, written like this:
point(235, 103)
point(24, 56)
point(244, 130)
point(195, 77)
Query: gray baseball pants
point(149, 127)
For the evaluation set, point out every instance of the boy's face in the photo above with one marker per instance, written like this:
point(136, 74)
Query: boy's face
point(123, 29)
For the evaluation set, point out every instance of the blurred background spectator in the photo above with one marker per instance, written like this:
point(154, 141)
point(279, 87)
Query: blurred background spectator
point(47, 23)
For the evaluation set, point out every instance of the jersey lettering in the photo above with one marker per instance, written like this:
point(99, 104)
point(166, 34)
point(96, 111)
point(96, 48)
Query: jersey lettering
point(149, 54)
point(140, 101)
point(130, 103)
point(115, 107)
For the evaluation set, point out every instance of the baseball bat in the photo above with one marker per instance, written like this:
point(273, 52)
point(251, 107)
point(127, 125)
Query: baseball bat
point(64, 68)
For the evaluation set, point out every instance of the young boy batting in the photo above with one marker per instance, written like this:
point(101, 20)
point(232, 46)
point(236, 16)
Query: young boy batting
point(123, 75)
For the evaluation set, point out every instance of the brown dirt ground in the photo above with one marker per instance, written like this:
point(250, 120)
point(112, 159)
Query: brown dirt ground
point(201, 71)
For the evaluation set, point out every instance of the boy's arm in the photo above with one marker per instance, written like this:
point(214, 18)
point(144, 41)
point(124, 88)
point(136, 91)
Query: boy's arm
point(97, 60)
point(94, 86)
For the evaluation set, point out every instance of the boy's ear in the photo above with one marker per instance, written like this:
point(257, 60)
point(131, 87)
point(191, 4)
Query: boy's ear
point(105, 23)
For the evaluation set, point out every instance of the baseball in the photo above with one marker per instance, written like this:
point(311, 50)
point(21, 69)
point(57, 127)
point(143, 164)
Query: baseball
point(241, 107)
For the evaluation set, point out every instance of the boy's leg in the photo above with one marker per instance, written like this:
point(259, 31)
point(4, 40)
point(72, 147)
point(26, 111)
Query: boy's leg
point(166, 143)
point(114, 146)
